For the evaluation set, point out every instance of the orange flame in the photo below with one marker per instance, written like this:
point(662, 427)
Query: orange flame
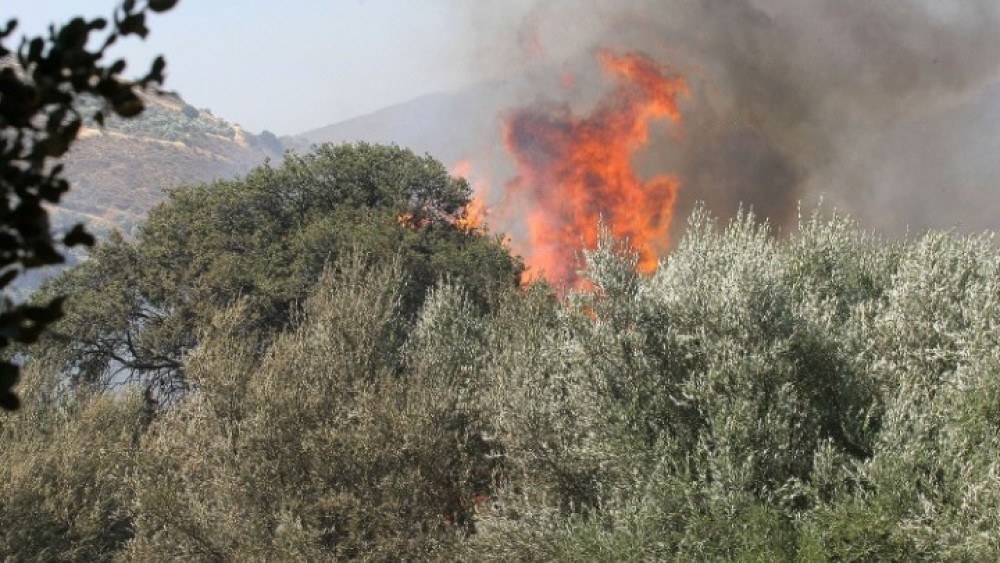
point(462, 169)
point(574, 171)
point(410, 221)
point(473, 217)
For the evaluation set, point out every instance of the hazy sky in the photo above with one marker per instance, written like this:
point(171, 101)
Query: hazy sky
point(289, 66)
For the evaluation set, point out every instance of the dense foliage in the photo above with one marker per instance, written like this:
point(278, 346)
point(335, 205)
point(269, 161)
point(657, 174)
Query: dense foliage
point(825, 395)
point(139, 305)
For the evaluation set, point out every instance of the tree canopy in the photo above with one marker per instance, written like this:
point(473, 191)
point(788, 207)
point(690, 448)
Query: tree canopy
point(138, 306)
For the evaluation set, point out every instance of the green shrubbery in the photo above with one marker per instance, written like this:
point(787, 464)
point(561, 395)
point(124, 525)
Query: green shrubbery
point(757, 398)
point(320, 449)
point(68, 457)
point(821, 395)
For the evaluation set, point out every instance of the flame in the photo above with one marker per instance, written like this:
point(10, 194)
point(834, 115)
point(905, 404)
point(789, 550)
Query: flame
point(573, 172)
point(473, 217)
point(462, 169)
point(410, 221)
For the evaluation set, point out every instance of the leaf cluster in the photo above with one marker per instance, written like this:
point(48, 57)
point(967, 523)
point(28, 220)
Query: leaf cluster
point(820, 397)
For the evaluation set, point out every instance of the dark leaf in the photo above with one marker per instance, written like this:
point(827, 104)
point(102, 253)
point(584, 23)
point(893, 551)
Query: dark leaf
point(73, 35)
point(8, 375)
point(30, 334)
point(45, 314)
point(8, 277)
point(156, 72)
point(134, 24)
point(126, 103)
point(9, 401)
point(79, 235)
point(117, 67)
point(43, 255)
point(35, 49)
point(161, 5)
point(112, 38)
point(56, 145)
point(53, 189)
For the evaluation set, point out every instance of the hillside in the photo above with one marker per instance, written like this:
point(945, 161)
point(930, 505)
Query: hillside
point(119, 172)
point(448, 125)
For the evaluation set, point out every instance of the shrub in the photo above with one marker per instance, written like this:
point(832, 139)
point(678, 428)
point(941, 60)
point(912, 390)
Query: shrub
point(64, 480)
point(825, 395)
point(325, 447)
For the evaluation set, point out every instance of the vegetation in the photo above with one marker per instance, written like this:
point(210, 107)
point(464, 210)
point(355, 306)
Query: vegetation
point(40, 85)
point(363, 380)
point(139, 305)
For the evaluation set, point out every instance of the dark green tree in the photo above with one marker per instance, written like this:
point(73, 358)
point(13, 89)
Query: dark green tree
point(139, 306)
point(41, 84)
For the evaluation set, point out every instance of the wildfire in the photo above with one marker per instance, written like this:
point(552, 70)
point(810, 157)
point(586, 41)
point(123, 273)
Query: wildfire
point(474, 215)
point(471, 220)
point(573, 172)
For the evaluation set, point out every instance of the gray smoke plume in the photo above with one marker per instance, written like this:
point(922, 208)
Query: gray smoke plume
point(889, 110)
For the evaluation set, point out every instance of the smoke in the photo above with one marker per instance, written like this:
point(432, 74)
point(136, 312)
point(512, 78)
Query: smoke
point(877, 107)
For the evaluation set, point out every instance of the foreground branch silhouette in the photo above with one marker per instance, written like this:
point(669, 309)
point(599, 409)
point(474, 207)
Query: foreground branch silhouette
point(42, 83)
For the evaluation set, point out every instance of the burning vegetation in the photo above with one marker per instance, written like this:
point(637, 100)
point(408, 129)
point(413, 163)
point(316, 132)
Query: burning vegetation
point(576, 171)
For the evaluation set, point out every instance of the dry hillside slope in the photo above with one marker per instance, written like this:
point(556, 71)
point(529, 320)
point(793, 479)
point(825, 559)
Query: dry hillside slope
point(120, 171)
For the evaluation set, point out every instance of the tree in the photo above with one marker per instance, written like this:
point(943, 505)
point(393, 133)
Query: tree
point(139, 306)
point(41, 83)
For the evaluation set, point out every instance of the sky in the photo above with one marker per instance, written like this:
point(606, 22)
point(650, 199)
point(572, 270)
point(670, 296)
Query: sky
point(291, 66)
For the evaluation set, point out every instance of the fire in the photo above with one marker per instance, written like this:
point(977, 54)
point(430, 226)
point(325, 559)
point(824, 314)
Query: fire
point(410, 221)
point(473, 217)
point(573, 172)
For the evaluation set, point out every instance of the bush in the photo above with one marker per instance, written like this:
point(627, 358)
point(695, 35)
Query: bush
point(320, 449)
point(828, 395)
point(139, 305)
point(64, 480)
